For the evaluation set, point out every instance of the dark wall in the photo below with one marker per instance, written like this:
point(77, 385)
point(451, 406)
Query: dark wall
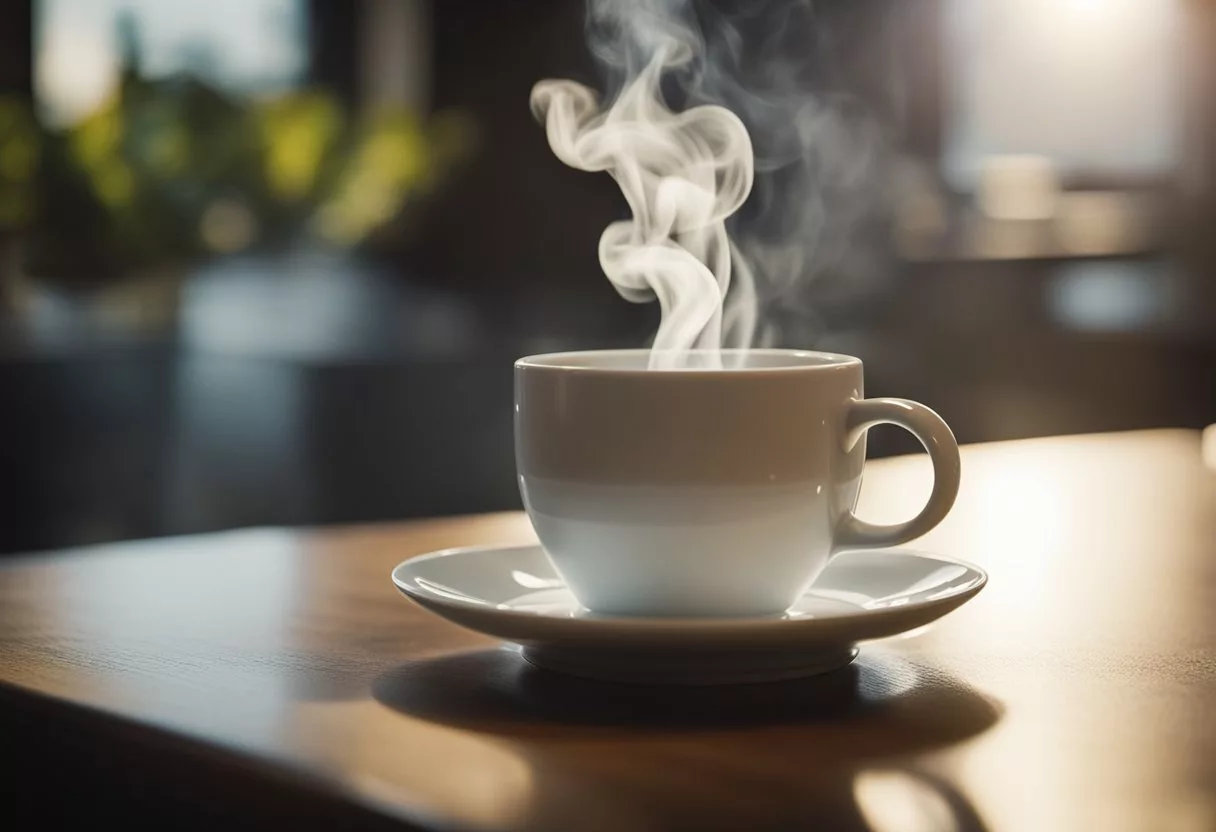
point(514, 214)
point(16, 47)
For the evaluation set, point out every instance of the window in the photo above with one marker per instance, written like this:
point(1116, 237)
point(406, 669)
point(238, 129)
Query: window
point(1091, 87)
point(247, 46)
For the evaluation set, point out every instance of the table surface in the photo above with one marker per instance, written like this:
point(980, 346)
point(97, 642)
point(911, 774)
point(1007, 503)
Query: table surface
point(1077, 691)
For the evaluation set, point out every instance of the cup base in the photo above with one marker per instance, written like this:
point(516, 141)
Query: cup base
point(687, 668)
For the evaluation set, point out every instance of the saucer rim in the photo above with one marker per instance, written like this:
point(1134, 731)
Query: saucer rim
point(651, 623)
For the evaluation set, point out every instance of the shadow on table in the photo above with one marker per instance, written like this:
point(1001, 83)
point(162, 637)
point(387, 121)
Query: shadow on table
point(496, 691)
point(828, 750)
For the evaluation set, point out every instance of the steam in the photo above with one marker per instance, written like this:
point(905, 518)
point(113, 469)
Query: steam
point(682, 174)
point(686, 174)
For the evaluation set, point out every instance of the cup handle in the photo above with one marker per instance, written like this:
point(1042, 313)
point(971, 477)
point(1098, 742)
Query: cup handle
point(936, 436)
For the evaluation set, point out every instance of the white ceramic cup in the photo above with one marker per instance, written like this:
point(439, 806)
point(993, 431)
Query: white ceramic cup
point(706, 492)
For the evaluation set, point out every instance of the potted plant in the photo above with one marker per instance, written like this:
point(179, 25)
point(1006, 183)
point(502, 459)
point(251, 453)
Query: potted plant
point(104, 219)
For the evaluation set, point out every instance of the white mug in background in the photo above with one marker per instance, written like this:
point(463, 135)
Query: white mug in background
point(706, 492)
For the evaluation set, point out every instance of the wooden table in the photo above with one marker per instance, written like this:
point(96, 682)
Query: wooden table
point(270, 677)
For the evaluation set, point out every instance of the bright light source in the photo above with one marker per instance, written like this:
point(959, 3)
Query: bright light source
point(75, 73)
point(1086, 6)
point(1092, 85)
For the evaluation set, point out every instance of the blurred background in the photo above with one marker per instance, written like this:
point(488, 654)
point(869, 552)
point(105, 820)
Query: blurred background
point(270, 261)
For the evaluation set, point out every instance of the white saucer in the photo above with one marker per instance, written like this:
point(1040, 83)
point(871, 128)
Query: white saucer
point(514, 593)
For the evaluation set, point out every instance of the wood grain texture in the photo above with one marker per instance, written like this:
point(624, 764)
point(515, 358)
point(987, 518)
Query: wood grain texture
point(273, 677)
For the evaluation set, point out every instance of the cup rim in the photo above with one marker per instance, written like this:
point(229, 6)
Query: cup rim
point(801, 361)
